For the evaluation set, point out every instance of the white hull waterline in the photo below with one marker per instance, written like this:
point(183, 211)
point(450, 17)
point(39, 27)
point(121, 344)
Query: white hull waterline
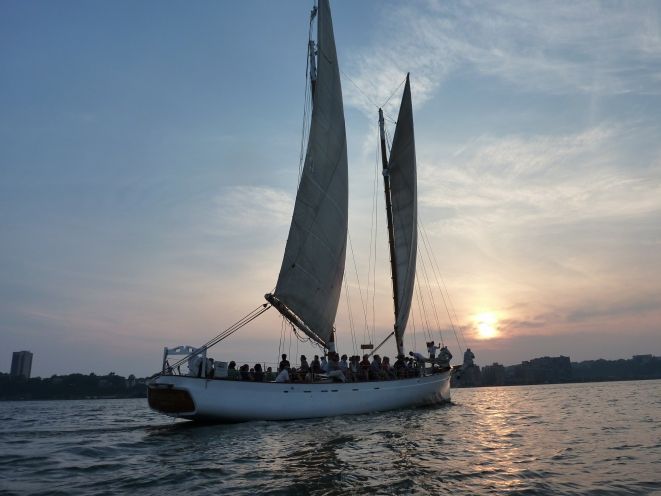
point(230, 401)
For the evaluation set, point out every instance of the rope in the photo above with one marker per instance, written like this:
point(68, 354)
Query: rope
point(431, 293)
point(307, 104)
point(392, 94)
point(414, 341)
point(421, 302)
point(223, 335)
point(426, 242)
point(355, 268)
point(350, 314)
point(359, 89)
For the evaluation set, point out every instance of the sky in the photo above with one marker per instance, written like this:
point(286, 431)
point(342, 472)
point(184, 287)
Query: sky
point(149, 156)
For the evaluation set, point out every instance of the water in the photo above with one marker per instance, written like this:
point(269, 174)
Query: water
point(600, 438)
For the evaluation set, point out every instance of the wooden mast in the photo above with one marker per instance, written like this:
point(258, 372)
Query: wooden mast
point(391, 231)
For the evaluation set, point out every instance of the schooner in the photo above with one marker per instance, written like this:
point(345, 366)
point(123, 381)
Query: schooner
point(310, 280)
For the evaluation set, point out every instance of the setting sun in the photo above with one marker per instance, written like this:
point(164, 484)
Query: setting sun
point(486, 325)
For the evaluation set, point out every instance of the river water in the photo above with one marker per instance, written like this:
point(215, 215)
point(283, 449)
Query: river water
point(600, 438)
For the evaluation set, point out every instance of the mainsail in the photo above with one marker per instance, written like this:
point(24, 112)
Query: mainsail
point(403, 194)
point(310, 280)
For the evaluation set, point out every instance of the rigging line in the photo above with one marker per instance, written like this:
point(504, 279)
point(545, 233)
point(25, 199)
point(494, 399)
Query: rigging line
point(424, 312)
point(431, 293)
point(297, 341)
point(289, 350)
point(238, 325)
point(392, 333)
point(445, 303)
point(223, 335)
point(371, 269)
point(359, 89)
point(431, 255)
point(300, 339)
point(415, 341)
point(426, 242)
point(355, 267)
point(369, 258)
point(282, 331)
point(350, 314)
point(439, 275)
point(306, 105)
point(393, 93)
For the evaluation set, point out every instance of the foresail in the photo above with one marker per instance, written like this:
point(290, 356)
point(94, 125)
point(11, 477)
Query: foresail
point(310, 278)
point(402, 173)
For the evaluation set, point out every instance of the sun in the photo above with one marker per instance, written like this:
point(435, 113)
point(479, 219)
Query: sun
point(487, 325)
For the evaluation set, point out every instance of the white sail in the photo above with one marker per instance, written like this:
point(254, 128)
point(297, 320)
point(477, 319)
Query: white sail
point(313, 265)
point(403, 193)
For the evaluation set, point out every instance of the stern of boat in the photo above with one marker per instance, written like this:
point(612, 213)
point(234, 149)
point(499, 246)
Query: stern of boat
point(167, 399)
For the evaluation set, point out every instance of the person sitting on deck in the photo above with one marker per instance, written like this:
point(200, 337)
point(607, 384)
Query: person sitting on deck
point(375, 368)
point(294, 375)
point(244, 371)
point(284, 363)
point(399, 366)
point(344, 366)
point(305, 367)
point(365, 368)
point(258, 374)
point(324, 364)
point(354, 367)
point(269, 376)
point(232, 373)
point(386, 369)
point(419, 363)
point(334, 371)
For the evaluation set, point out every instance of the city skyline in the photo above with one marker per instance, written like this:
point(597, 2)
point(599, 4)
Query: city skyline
point(150, 153)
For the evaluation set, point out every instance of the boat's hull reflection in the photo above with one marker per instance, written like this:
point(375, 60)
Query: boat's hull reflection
point(235, 401)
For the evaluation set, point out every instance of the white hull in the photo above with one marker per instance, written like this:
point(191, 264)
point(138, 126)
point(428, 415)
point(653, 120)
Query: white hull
point(232, 401)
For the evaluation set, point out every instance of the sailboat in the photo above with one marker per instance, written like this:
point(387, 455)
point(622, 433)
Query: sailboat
point(308, 288)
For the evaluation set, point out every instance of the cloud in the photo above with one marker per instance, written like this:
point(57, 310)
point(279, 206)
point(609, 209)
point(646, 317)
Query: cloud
point(245, 208)
point(542, 180)
point(553, 47)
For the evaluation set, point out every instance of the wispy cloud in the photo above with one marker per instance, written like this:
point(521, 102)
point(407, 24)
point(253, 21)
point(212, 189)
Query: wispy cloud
point(241, 208)
point(551, 47)
point(543, 179)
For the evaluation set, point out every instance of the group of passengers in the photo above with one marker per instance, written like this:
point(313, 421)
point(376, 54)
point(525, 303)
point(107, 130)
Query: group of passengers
point(343, 368)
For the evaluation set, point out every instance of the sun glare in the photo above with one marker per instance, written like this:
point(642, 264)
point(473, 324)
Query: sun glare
point(486, 325)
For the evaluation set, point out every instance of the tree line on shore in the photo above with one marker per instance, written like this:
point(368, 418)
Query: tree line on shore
point(72, 386)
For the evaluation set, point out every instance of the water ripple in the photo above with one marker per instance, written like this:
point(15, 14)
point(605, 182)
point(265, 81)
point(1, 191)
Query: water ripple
point(567, 439)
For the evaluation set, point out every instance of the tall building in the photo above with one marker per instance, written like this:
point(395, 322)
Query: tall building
point(21, 364)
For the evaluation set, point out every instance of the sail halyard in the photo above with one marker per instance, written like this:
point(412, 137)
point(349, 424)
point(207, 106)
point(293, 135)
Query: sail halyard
point(310, 280)
point(403, 229)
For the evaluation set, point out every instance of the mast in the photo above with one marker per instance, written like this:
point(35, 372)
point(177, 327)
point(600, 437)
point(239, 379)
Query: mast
point(391, 231)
